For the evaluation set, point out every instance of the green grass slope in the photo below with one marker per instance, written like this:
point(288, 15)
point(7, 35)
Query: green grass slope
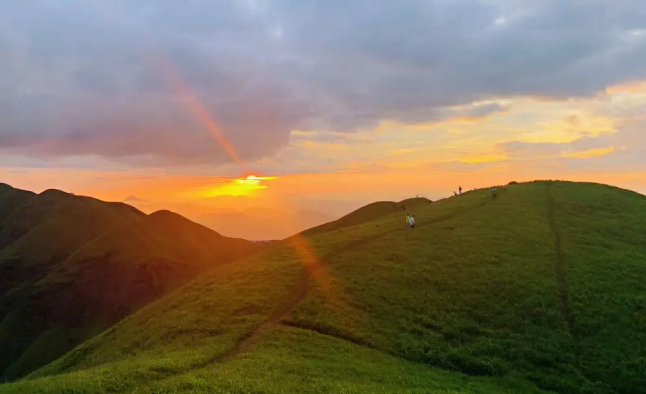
point(541, 290)
point(370, 212)
point(73, 266)
point(191, 341)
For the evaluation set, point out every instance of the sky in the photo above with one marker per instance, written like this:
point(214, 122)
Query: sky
point(330, 104)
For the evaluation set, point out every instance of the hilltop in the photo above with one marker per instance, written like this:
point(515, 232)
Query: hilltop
point(71, 267)
point(370, 212)
point(539, 291)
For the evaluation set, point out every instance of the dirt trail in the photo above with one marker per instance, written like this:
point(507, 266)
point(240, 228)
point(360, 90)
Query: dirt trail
point(297, 295)
point(564, 295)
point(300, 292)
point(302, 287)
point(438, 220)
point(566, 311)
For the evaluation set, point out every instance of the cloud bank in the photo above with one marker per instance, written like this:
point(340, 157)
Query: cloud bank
point(111, 79)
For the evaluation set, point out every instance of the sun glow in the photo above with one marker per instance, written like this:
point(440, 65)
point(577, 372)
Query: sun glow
point(247, 186)
point(253, 180)
point(241, 187)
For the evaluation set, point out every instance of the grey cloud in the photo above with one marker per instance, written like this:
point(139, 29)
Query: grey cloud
point(86, 78)
point(477, 111)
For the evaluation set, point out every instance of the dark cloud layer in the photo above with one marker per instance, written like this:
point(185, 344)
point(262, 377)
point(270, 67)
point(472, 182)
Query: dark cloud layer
point(107, 78)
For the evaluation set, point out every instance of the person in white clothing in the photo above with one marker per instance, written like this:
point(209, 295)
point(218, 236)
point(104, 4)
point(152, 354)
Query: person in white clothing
point(411, 222)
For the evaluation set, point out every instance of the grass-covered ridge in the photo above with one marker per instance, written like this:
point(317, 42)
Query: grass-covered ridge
point(368, 213)
point(540, 290)
point(70, 267)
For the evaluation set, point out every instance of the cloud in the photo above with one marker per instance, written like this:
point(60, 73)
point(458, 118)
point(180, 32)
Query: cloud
point(589, 153)
point(111, 80)
point(544, 150)
point(485, 159)
point(476, 111)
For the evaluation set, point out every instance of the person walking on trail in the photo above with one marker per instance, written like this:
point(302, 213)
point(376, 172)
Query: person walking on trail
point(411, 222)
point(407, 220)
point(460, 189)
point(494, 193)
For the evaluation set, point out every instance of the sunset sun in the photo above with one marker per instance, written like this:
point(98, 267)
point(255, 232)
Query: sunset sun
point(240, 187)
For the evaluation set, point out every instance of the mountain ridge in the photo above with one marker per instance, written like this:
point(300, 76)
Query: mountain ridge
point(483, 296)
point(78, 262)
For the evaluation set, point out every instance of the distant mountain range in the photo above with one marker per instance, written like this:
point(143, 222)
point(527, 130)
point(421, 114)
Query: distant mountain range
point(241, 217)
point(72, 266)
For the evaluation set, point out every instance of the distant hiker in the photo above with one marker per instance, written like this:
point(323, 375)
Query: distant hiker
point(460, 189)
point(455, 194)
point(494, 193)
point(411, 222)
point(407, 220)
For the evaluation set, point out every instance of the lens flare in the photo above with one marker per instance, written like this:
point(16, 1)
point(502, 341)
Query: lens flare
point(198, 109)
point(251, 184)
point(244, 186)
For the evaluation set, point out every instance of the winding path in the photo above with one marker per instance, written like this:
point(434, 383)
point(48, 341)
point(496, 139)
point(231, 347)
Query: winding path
point(302, 288)
point(564, 295)
point(566, 310)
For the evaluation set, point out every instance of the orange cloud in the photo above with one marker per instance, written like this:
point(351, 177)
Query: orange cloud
point(630, 88)
point(485, 159)
point(325, 145)
point(588, 153)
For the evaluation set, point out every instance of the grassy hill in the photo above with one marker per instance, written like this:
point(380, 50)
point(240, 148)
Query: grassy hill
point(541, 290)
point(70, 267)
point(370, 212)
